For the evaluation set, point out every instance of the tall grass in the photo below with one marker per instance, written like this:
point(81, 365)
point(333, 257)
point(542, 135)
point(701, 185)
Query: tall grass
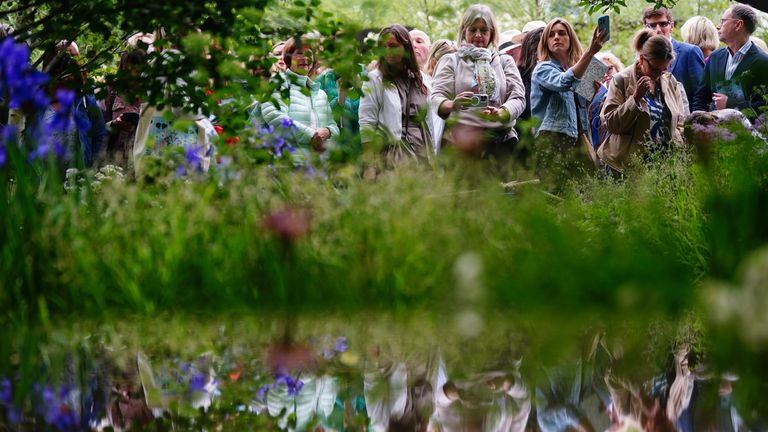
point(619, 254)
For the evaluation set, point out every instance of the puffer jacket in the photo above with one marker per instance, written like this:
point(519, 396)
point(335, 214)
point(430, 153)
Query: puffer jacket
point(309, 112)
point(627, 123)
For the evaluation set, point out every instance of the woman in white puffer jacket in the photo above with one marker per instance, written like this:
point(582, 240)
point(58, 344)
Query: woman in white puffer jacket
point(308, 109)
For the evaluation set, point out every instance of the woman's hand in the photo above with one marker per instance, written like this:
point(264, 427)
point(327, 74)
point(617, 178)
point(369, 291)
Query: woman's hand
point(460, 102)
point(320, 136)
point(643, 86)
point(598, 39)
point(497, 114)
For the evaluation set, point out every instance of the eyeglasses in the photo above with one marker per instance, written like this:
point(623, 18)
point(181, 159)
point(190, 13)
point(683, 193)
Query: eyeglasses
point(662, 24)
point(728, 19)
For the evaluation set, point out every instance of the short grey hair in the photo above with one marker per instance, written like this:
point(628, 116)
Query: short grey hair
point(473, 13)
point(747, 15)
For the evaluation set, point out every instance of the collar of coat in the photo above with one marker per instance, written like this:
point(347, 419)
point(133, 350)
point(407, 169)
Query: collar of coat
point(301, 80)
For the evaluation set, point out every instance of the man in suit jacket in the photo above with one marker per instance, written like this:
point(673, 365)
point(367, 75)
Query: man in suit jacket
point(733, 73)
point(688, 65)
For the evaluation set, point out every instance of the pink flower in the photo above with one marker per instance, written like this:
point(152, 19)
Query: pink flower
point(289, 224)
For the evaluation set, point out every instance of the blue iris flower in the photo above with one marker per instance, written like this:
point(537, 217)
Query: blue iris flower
point(292, 386)
point(341, 344)
point(287, 123)
point(21, 82)
point(261, 395)
point(194, 158)
point(197, 382)
point(57, 412)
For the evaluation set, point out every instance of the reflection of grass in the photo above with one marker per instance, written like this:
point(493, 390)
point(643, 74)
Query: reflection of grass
point(628, 251)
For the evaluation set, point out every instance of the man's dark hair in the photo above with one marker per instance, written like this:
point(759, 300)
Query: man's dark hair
point(747, 15)
point(651, 12)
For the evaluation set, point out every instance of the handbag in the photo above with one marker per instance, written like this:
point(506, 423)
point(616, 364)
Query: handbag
point(583, 141)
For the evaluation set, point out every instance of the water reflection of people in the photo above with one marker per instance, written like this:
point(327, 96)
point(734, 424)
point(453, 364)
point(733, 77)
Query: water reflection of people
point(396, 400)
point(492, 401)
point(576, 395)
point(315, 398)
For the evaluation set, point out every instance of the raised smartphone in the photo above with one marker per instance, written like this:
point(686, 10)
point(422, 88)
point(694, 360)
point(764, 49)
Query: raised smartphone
point(604, 23)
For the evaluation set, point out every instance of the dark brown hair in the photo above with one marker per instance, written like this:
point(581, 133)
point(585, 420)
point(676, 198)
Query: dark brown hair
point(409, 68)
point(132, 58)
point(529, 51)
point(291, 47)
point(652, 46)
point(651, 12)
point(61, 66)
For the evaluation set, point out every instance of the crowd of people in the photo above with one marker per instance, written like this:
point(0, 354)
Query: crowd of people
point(471, 94)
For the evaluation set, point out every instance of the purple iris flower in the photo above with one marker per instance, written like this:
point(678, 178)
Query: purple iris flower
point(20, 81)
point(341, 344)
point(6, 400)
point(261, 395)
point(197, 382)
point(193, 157)
point(62, 119)
point(287, 123)
point(3, 155)
point(6, 393)
point(292, 386)
point(57, 411)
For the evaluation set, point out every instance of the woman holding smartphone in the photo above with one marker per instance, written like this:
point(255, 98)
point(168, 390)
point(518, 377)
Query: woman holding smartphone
point(478, 91)
point(563, 113)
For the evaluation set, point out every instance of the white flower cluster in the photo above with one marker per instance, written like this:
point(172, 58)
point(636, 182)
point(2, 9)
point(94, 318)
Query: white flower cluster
point(75, 179)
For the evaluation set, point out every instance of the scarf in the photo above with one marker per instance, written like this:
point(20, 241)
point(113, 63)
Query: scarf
point(483, 76)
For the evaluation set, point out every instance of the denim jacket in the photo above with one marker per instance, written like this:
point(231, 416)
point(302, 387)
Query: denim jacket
point(552, 99)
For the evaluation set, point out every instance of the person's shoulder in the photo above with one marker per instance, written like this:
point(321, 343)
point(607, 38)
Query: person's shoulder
point(684, 48)
point(761, 55)
point(545, 64)
point(720, 52)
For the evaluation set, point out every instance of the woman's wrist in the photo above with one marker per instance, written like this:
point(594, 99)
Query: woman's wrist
point(504, 115)
point(446, 108)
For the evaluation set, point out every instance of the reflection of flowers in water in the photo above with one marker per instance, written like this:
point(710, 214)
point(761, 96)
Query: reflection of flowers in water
point(57, 411)
point(332, 348)
point(282, 379)
point(6, 401)
point(289, 224)
point(292, 386)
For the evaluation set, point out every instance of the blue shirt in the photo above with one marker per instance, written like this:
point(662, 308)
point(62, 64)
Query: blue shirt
point(735, 59)
point(552, 99)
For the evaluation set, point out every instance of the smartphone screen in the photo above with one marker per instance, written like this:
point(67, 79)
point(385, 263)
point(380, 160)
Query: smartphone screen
point(604, 23)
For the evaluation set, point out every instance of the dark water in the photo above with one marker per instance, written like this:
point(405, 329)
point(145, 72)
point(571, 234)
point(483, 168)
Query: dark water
point(466, 373)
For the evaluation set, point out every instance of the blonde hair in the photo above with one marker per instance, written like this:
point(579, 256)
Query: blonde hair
point(471, 15)
point(438, 49)
point(700, 31)
point(760, 43)
point(651, 46)
point(574, 50)
point(610, 59)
